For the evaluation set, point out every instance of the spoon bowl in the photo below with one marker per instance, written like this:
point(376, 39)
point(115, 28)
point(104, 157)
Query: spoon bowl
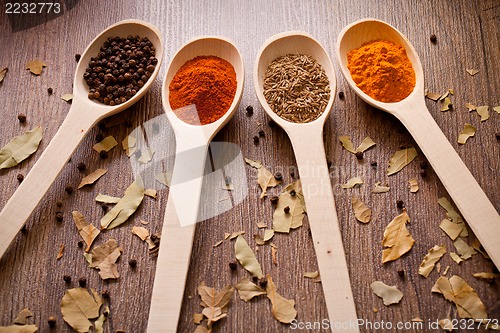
point(82, 116)
point(183, 203)
point(307, 143)
point(412, 111)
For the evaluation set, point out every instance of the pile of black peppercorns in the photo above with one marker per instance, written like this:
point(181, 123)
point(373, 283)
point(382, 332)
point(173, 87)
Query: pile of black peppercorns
point(120, 69)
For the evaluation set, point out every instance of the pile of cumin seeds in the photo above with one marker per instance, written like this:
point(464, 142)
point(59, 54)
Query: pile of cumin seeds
point(296, 88)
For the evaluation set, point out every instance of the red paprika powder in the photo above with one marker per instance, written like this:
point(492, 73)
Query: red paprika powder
point(207, 82)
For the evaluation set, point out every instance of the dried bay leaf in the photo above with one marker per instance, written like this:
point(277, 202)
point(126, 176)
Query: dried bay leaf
point(164, 178)
point(125, 207)
point(456, 290)
point(432, 95)
point(106, 199)
point(397, 239)
point(367, 143)
point(129, 145)
point(400, 159)
point(104, 258)
point(483, 112)
point(496, 109)
point(266, 179)
point(234, 234)
point(489, 277)
point(268, 234)
point(456, 258)
point(36, 66)
point(86, 230)
point(150, 192)
point(20, 148)
point(472, 72)
point(348, 145)
point(389, 294)
point(197, 318)
point(22, 317)
point(447, 104)
point(430, 260)
point(463, 249)
point(377, 188)
point(78, 306)
point(140, 232)
point(92, 177)
point(253, 164)
point(3, 73)
point(99, 323)
point(353, 182)
point(467, 132)
point(361, 211)
point(246, 257)
point(413, 185)
point(248, 290)
point(67, 97)
point(19, 329)
point(61, 251)
point(283, 309)
point(283, 222)
point(470, 107)
point(453, 230)
point(106, 144)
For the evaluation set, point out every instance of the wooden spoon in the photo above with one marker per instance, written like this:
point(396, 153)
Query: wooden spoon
point(474, 205)
point(181, 214)
point(82, 116)
point(307, 143)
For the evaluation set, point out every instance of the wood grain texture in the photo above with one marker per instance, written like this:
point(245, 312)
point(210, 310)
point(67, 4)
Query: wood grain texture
point(468, 35)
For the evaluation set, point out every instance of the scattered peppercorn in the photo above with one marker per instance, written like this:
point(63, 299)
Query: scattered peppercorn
point(433, 39)
point(278, 176)
point(233, 265)
point(68, 189)
point(255, 139)
point(21, 117)
point(286, 209)
point(105, 294)
point(274, 200)
point(59, 203)
point(261, 133)
point(132, 263)
point(77, 57)
point(50, 90)
point(401, 273)
point(24, 229)
point(402, 147)
point(359, 155)
point(59, 216)
point(270, 123)
point(81, 166)
point(20, 177)
point(263, 282)
point(497, 135)
point(341, 95)
point(120, 69)
point(82, 282)
point(292, 193)
point(103, 154)
point(99, 137)
point(400, 204)
point(67, 278)
point(292, 173)
point(249, 110)
point(255, 279)
point(80, 244)
point(423, 173)
point(374, 164)
point(52, 321)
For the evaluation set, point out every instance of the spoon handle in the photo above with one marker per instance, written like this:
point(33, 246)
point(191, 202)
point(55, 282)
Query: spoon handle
point(177, 238)
point(468, 196)
point(323, 221)
point(29, 193)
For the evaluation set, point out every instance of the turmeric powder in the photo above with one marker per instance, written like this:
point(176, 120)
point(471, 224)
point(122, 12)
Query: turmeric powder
point(382, 70)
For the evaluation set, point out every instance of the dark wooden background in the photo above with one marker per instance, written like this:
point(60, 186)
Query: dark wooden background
point(30, 276)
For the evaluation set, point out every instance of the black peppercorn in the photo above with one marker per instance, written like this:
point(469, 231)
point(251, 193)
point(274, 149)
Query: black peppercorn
point(274, 200)
point(59, 216)
point(52, 321)
point(20, 177)
point(255, 139)
point(263, 282)
point(400, 204)
point(233, 265)
point(293, 193)
point(105, 294)
point(50, 91)
point(59, 203)
point(261, 133)
point(67, 278)
point(401, 273)
point(286, 209)
point(249, 110)
point(68, 189)
point(255, 279)
point(423, 173)
point(359, 155)
point(103, 154)
point(24, 229)
point(374, 164)
point(433, 39)
point(132, 263)
point(270, 123)
point(80, 244)
point(77, 57)
point(21, 117)
point(82, 282)
point(81, 166)
point(341, 95)
point(497, 135)
point(278, 176)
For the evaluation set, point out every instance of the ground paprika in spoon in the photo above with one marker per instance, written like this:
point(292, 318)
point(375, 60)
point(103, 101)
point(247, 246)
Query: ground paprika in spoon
point(208, 83)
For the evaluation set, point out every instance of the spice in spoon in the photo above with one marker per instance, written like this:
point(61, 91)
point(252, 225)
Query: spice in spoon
point(202, 90)
point(296, 88)
point(382, 70)
point(120, 69)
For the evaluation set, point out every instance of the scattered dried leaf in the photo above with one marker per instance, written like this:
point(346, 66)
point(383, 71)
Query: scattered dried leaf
point(78, 306)
point(164, 178)
point(125, 207)
point(106, 199)
point(313, 276)
point(106, 144)
point(268, 234)
point(283, 309)
point(472, 72)
point(447, 104)
point(430, 260)
point(361, 211)
point(61, 251)
point(400, 159)
point(467, 301)
point(466, 133)
point(261, 225)
point(348, 145)
point(104, 258)
point(282, 221)
point(453, 230)
point(246, 257)
point(496, 109)
point(380, 188)
point(20, 148)
point(235, 234)
point(86, 230)
point(22, 317)
point(452, 214)
point(433, 96)
point(92, 177)
point(446, 270)
point(274, 251)
point(140, 232)
point(455, 258)
point(214, 303)
point(470, 107)
point(129, 145)
point(483, 112)
point(253, 164)
point(489, 277)
point(248, 290)
point(197, 318)
point(150, 192)
point(389, 294)
point(146, 156)
point(3, 73)
point(265, 178)
point(99, 323)
point(19, 329)
point(353, 182)
point(36, 66)
point(218, 243)
point(413, 185)
point(67, 97)
point(463, 249)
point(397, 239)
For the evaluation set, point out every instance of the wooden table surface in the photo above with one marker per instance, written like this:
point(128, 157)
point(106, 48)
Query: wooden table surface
point(30, 276)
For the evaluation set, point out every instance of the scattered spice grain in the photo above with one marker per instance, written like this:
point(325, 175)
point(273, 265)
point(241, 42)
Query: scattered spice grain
point(20, 177)
point(81, 166)
point(401, 273)
point(52, 321)
point(233, 265)
point(50, 91)
point(374, 164)
point(67, 278)
point(433, 39)
point(132, 263)
point(341, 95)
point(80, 244)
point(497, 135)
point(359, 155)
point(77, 57)
point(400, 204)
point(261, 133)
point(59, 216)
point(286, 209)
point(68, 189)
point(249, 110)
point(278, 176)
point(82, 282)
point(59, 203)
point(256, 139)
point(22, 118)
point(263, 282)
point(274, 200)
point(293, 193)
point(103, 154)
